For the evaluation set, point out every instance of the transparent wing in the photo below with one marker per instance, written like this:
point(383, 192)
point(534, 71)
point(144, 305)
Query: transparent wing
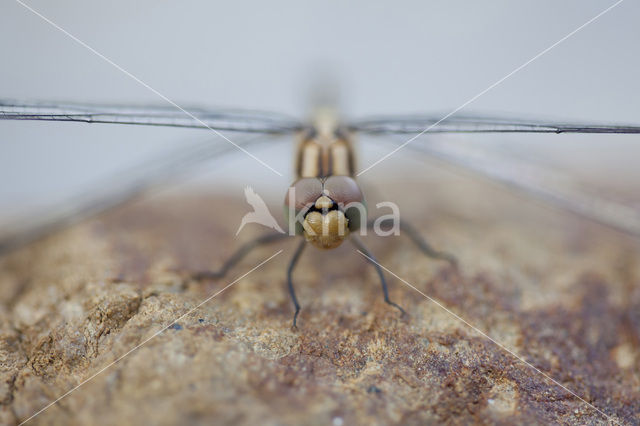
point(122, 187)
point(231, 120)
point(477, 124)
point(549, 184)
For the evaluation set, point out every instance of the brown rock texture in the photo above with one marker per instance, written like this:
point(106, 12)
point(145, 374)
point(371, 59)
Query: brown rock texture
point(561, 292)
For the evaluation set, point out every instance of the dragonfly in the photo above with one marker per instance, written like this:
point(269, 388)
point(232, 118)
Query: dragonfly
point(325, 186)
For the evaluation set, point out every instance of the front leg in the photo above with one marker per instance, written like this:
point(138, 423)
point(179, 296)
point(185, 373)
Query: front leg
point(385, 290)
point(292, 292)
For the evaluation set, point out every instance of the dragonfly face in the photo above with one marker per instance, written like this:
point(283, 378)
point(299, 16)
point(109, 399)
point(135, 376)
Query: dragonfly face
point(325, 209)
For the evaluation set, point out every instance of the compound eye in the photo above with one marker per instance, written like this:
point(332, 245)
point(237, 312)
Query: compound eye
point(347, 194)
point(303, 193)
point(343, 190)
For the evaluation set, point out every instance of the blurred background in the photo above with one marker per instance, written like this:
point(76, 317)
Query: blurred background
point(374, 57)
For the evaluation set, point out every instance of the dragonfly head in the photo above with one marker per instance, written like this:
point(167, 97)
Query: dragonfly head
point(326, 210)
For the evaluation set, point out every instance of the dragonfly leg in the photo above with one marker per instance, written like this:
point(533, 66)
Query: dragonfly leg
point(421, 243)
point(371, 259)
point(239, 255)
point(292, 292)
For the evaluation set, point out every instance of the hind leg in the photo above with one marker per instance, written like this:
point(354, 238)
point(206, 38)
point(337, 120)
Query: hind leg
point(239, 255)
point(422, 243)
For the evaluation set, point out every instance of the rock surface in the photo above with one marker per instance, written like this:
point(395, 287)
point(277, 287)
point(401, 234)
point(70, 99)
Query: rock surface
point(560, 292)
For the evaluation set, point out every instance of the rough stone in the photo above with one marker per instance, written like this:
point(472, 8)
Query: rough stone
point(558, 291)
